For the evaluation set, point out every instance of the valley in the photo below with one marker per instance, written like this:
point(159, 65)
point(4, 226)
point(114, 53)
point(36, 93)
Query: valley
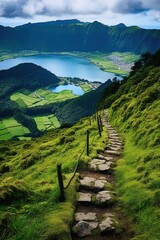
point(105, 140)
point(10, 128)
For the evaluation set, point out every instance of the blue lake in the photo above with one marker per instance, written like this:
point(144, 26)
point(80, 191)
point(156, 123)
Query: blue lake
point(75, 89)
point(63, 66)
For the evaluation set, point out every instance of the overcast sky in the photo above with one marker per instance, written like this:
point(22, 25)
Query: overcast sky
point(143, 13)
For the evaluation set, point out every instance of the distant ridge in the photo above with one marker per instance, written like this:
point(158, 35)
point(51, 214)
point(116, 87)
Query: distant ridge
point(57, 22)
point(73, 35)
point(120, 25)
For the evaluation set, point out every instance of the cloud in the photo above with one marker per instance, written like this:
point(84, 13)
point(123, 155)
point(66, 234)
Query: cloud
point(128, 6)
point(12, 8)
point(155, 15)
point(62, 8)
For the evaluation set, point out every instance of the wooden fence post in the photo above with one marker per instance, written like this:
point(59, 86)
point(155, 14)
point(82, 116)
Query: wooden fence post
point(87, 142)
point(100, 121)
point(60, 182)
point(99, 128)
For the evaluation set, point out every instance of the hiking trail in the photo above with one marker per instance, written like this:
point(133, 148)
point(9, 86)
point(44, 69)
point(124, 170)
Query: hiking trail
point(97, 215)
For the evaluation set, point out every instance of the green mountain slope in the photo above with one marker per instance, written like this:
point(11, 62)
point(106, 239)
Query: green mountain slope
point(25, 75)
point(78, 36)
point(80, 107)
point(29, 192)
point(135, 112)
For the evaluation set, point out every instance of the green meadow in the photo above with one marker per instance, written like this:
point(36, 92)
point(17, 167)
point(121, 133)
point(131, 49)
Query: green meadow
point(40, 97)
point(106, 60)
point(46, 122)
point(9, 128)
point(29, 192)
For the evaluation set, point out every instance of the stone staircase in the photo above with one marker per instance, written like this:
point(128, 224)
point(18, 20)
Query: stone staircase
point(96, 217)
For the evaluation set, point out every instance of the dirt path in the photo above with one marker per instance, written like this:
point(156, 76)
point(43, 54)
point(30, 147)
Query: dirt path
point(98, 216)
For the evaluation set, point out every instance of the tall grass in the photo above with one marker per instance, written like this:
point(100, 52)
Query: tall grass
point(30, 207)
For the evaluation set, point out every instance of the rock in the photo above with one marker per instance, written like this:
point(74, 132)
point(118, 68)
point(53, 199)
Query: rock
point(90, 216)
point(87, 181)
point(93, 167)
point(84, 197)
point(112, 152)
point(107, 223)
point(100, 165)
point(99, 184)
point(114, 138)
point(83, 228)
point(93, 183)
point(104, 167)
point(105, 158)
point(114, 147)
point(113, 135)
point(116, 143)
point(103, 196)
point(97, 161)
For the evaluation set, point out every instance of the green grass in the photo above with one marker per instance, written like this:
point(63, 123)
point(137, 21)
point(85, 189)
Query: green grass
point(136, 114)
point(8, 55)
point(29, 193)
point(100, 59)
point(138, 183)
point(9, 128)
point(41, 97)
point(56, 97)
point(47, 122)
point(127, 57)
point(86, 87)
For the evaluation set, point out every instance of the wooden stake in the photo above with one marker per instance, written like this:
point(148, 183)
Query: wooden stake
point(60, 181)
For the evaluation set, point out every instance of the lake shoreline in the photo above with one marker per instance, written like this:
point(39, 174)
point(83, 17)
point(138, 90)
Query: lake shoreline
point(62, 65)
point(105, 61)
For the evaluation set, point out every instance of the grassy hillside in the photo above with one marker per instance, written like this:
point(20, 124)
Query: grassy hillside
point(135, 112)
point(29, 193)
point(25, 75)
point(78, 36)
point(80, 107)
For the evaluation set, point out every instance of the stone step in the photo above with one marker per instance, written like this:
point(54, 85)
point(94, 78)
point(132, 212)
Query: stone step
point(115, 139)
point(114, 145)
point(101, 156)
point(112, 131)
point(94, 184)
point(100, 198)
point(90, 224)
point(99, 165)
point(113, 135)
point(112, 152)
point(117, 143)
point(114, 148)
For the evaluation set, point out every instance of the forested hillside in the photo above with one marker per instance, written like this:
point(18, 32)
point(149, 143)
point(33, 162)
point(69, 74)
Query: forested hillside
point(134, 110)
point(26, 76)
point(83, 106)
point(73, 35)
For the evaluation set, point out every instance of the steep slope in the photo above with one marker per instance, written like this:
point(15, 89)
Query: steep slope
point(135, 112)
point(25, 75)
point(29, 192)
point(80, 107)
point(78, 36)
